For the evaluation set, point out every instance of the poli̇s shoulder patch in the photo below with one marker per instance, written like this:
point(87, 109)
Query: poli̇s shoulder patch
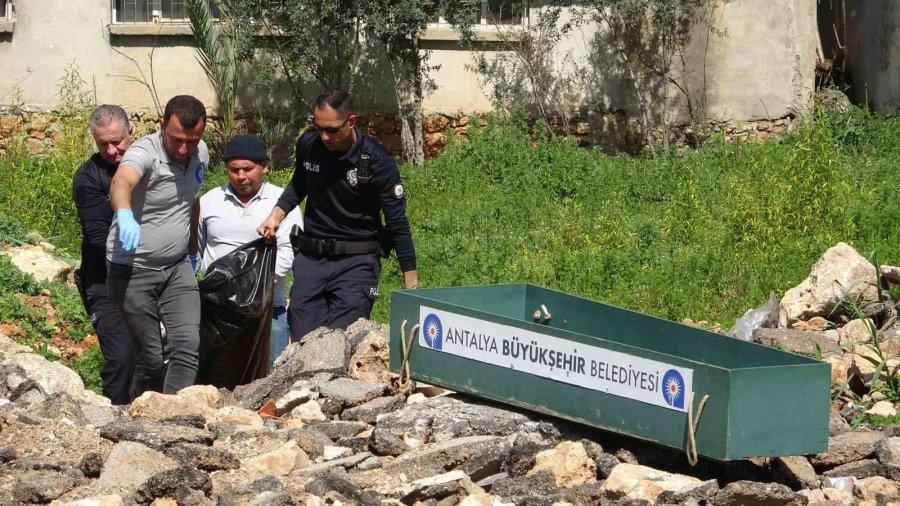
point(398, 191)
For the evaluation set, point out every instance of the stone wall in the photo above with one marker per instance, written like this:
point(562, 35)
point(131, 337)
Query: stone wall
point(614, 133)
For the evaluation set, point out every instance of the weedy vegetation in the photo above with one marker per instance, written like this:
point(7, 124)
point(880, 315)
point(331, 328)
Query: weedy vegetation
point(702, 234)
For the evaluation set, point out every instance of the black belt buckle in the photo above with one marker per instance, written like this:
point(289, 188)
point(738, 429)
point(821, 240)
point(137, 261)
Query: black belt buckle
point(327, 246)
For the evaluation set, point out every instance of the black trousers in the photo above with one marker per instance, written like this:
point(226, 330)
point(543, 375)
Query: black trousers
point(331, 291)
point(118, 349)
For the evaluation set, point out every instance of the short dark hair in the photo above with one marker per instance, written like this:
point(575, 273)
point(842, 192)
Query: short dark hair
point(339, 100)
point(188, 109)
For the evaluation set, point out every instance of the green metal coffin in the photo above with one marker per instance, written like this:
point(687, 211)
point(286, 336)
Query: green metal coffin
point(613, 369)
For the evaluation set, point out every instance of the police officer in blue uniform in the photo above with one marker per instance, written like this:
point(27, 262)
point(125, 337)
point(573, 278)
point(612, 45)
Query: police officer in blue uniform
point(348, 180)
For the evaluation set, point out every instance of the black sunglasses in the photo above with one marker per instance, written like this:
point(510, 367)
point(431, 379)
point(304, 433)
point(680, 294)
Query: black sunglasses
point(329, 129)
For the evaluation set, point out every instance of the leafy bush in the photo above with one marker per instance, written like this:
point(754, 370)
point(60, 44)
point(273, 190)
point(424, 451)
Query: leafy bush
point(88, 367)
point(70, 313)
point(11, 231)
point(13, 281)
point(70, 310)
point(37, 190)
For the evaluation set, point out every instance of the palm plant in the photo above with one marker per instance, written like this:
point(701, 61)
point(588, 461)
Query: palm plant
point(217, 56)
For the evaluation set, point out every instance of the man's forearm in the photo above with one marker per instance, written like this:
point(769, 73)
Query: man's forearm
point(278, 213)
point(121, 187)
point(120, 195)
point(410, 279)
point(288, 199)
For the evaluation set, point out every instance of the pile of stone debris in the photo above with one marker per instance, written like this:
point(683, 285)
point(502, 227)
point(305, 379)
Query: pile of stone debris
point(331, 425)
point(843, 314)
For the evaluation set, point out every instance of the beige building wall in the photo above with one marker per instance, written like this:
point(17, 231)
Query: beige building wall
point(50, 35)
point(761, 65)
point(762, 68)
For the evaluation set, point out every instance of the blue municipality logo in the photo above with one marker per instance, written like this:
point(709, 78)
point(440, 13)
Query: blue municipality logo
point(433, 332)
point(673, 388)
point(201, 169)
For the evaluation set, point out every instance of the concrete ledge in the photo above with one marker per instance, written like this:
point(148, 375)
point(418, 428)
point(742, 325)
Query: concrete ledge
point(167, 29)
point(449, 34)
point(151, 29)
point(7, 26)
point(178, 29)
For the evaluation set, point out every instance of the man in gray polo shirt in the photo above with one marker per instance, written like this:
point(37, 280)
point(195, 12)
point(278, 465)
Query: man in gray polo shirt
point(152, 246)
point(230, 214)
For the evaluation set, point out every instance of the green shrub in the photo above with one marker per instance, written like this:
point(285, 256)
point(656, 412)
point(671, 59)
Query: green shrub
point(13, 281)
point(36, 191)
point(88, 367)
point(704, 235)
point(70, 310)
point(11, 231)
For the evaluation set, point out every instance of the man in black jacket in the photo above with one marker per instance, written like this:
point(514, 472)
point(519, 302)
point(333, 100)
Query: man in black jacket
point(348, 180)
point(90, 188)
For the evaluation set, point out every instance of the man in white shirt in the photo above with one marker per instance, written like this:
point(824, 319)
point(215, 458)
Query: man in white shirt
point(230, 214)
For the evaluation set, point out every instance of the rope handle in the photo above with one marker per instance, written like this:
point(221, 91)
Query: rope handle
point(692, 427)
point(406, 348)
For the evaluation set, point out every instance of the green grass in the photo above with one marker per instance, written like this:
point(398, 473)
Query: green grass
point(702, 235)
point(38, 328)
point(875, 420)
point(36, 191)
point(88, 367)
point(705, 235)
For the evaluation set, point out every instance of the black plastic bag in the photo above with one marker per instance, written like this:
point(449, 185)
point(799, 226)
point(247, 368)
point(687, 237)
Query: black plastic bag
point(236, 316)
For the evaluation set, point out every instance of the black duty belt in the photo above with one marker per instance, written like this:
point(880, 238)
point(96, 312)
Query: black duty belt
point(332, 247)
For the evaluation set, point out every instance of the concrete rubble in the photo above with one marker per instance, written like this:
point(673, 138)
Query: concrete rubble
point(337, 429)
point(843, 314)
point(365, 444)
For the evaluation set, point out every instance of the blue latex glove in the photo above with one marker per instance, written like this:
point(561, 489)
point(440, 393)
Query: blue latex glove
point(195, 262)
point(129, 230)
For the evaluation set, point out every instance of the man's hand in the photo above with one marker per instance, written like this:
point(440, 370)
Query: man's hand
point(410, 279)
point(129, 230)
point(270, 226)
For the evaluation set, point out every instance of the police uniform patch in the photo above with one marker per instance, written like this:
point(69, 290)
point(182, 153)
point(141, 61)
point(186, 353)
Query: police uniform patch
point(351, 177)
point(201, 168)
point(398, 191)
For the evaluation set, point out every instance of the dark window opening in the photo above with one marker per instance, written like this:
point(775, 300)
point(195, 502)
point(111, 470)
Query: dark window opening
point(150, 11)
point(504, 12)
